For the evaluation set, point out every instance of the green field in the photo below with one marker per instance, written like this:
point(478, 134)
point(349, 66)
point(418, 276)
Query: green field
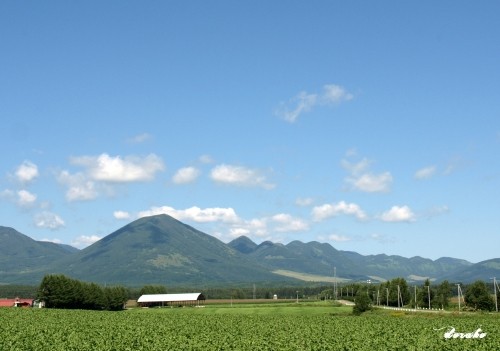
point(285, 326)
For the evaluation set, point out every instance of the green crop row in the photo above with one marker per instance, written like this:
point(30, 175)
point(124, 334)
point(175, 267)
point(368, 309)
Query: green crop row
point(196, 329)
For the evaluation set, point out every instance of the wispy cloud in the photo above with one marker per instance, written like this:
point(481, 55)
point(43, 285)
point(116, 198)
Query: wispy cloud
point(425, 173)
point(288, 223)
point(240, 176)
point(362, 179)
point(195, 214)
point(304, 102)
point(140, 138)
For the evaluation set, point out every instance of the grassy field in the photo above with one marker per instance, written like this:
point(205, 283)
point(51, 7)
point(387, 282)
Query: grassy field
point(246, 326)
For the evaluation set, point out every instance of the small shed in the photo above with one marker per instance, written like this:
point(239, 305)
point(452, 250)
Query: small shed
point(155, 300)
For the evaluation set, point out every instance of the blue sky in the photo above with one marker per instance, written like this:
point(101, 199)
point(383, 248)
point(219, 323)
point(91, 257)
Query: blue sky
point(373, 126)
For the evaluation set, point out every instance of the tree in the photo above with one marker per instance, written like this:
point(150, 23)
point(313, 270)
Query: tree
point(478, 297)
point(326, 294)
point(443, 295)
point(425, 295)
point(153, 289)
point(362, 302)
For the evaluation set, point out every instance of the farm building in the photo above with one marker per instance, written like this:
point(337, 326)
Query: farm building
point(153, 300)
point(17, 302)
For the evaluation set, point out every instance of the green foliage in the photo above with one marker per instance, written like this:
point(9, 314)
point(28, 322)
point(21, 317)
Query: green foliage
point(153, 289)
point(443, 295)
point(59, 291)
point(478, 297)
point(200, 329)
point(362, 302)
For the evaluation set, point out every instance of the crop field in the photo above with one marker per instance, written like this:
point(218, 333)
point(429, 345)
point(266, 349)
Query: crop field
point(243, 327)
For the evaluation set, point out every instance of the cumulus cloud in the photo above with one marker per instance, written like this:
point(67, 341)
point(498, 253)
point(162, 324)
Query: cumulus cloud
point(304, 102)
point(121, 215)
point(195, 214)
point(425, 173)
point(325, 211)
point(240, 176)
point(287, 223)
point(48, 220)
point(79, 187)
point(85, 240)
point(27, 172)
point(398, 214)
point(186, 175)
point(362, 179)
point(25, 198)
point(106, 168)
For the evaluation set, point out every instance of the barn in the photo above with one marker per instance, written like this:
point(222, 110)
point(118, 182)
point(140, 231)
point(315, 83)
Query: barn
point(155, 300)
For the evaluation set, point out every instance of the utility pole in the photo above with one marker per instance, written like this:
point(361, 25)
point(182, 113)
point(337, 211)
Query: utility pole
point(495, 289)
point(415, 297)
point(387, 297)
point(429, 295)
point(335, 283)
point(459, 291)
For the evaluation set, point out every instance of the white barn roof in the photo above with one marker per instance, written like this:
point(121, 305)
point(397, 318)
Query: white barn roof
point(171, 297)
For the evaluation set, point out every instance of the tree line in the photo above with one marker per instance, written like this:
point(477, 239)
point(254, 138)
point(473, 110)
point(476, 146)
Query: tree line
point(59, 291)
point(478, 296)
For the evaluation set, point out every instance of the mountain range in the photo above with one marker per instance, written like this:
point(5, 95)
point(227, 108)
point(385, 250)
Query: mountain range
point(162, 250)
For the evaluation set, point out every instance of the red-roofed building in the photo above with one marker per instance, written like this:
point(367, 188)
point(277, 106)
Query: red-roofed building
point(17, 302)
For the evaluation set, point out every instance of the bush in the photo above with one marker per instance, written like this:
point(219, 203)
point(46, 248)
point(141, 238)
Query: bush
point(362, 302)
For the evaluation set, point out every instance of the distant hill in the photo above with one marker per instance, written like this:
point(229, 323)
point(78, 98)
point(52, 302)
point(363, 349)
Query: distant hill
point(21, 256)
point(162, 250)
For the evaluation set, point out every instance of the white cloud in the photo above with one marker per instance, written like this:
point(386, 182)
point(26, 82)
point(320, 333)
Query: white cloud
point(335, 94)
point(206, 159)
point(304, 202)
point(338, 238)
point(240, 176)
point(55, 241)
point(372, 183)
point(85, 240)
point(48, 220)
point(186, 175)
point(325, 211)
point(27, 172)
point(195, 214)
point(398, 214)
point(304, 102)
point(121, 215)
point(362, 179)
point(117, 169)
point(425, 173)
point(25, 198)
point(356, 168)
point(287, 223)
point(80, 188)
point(140, 138)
